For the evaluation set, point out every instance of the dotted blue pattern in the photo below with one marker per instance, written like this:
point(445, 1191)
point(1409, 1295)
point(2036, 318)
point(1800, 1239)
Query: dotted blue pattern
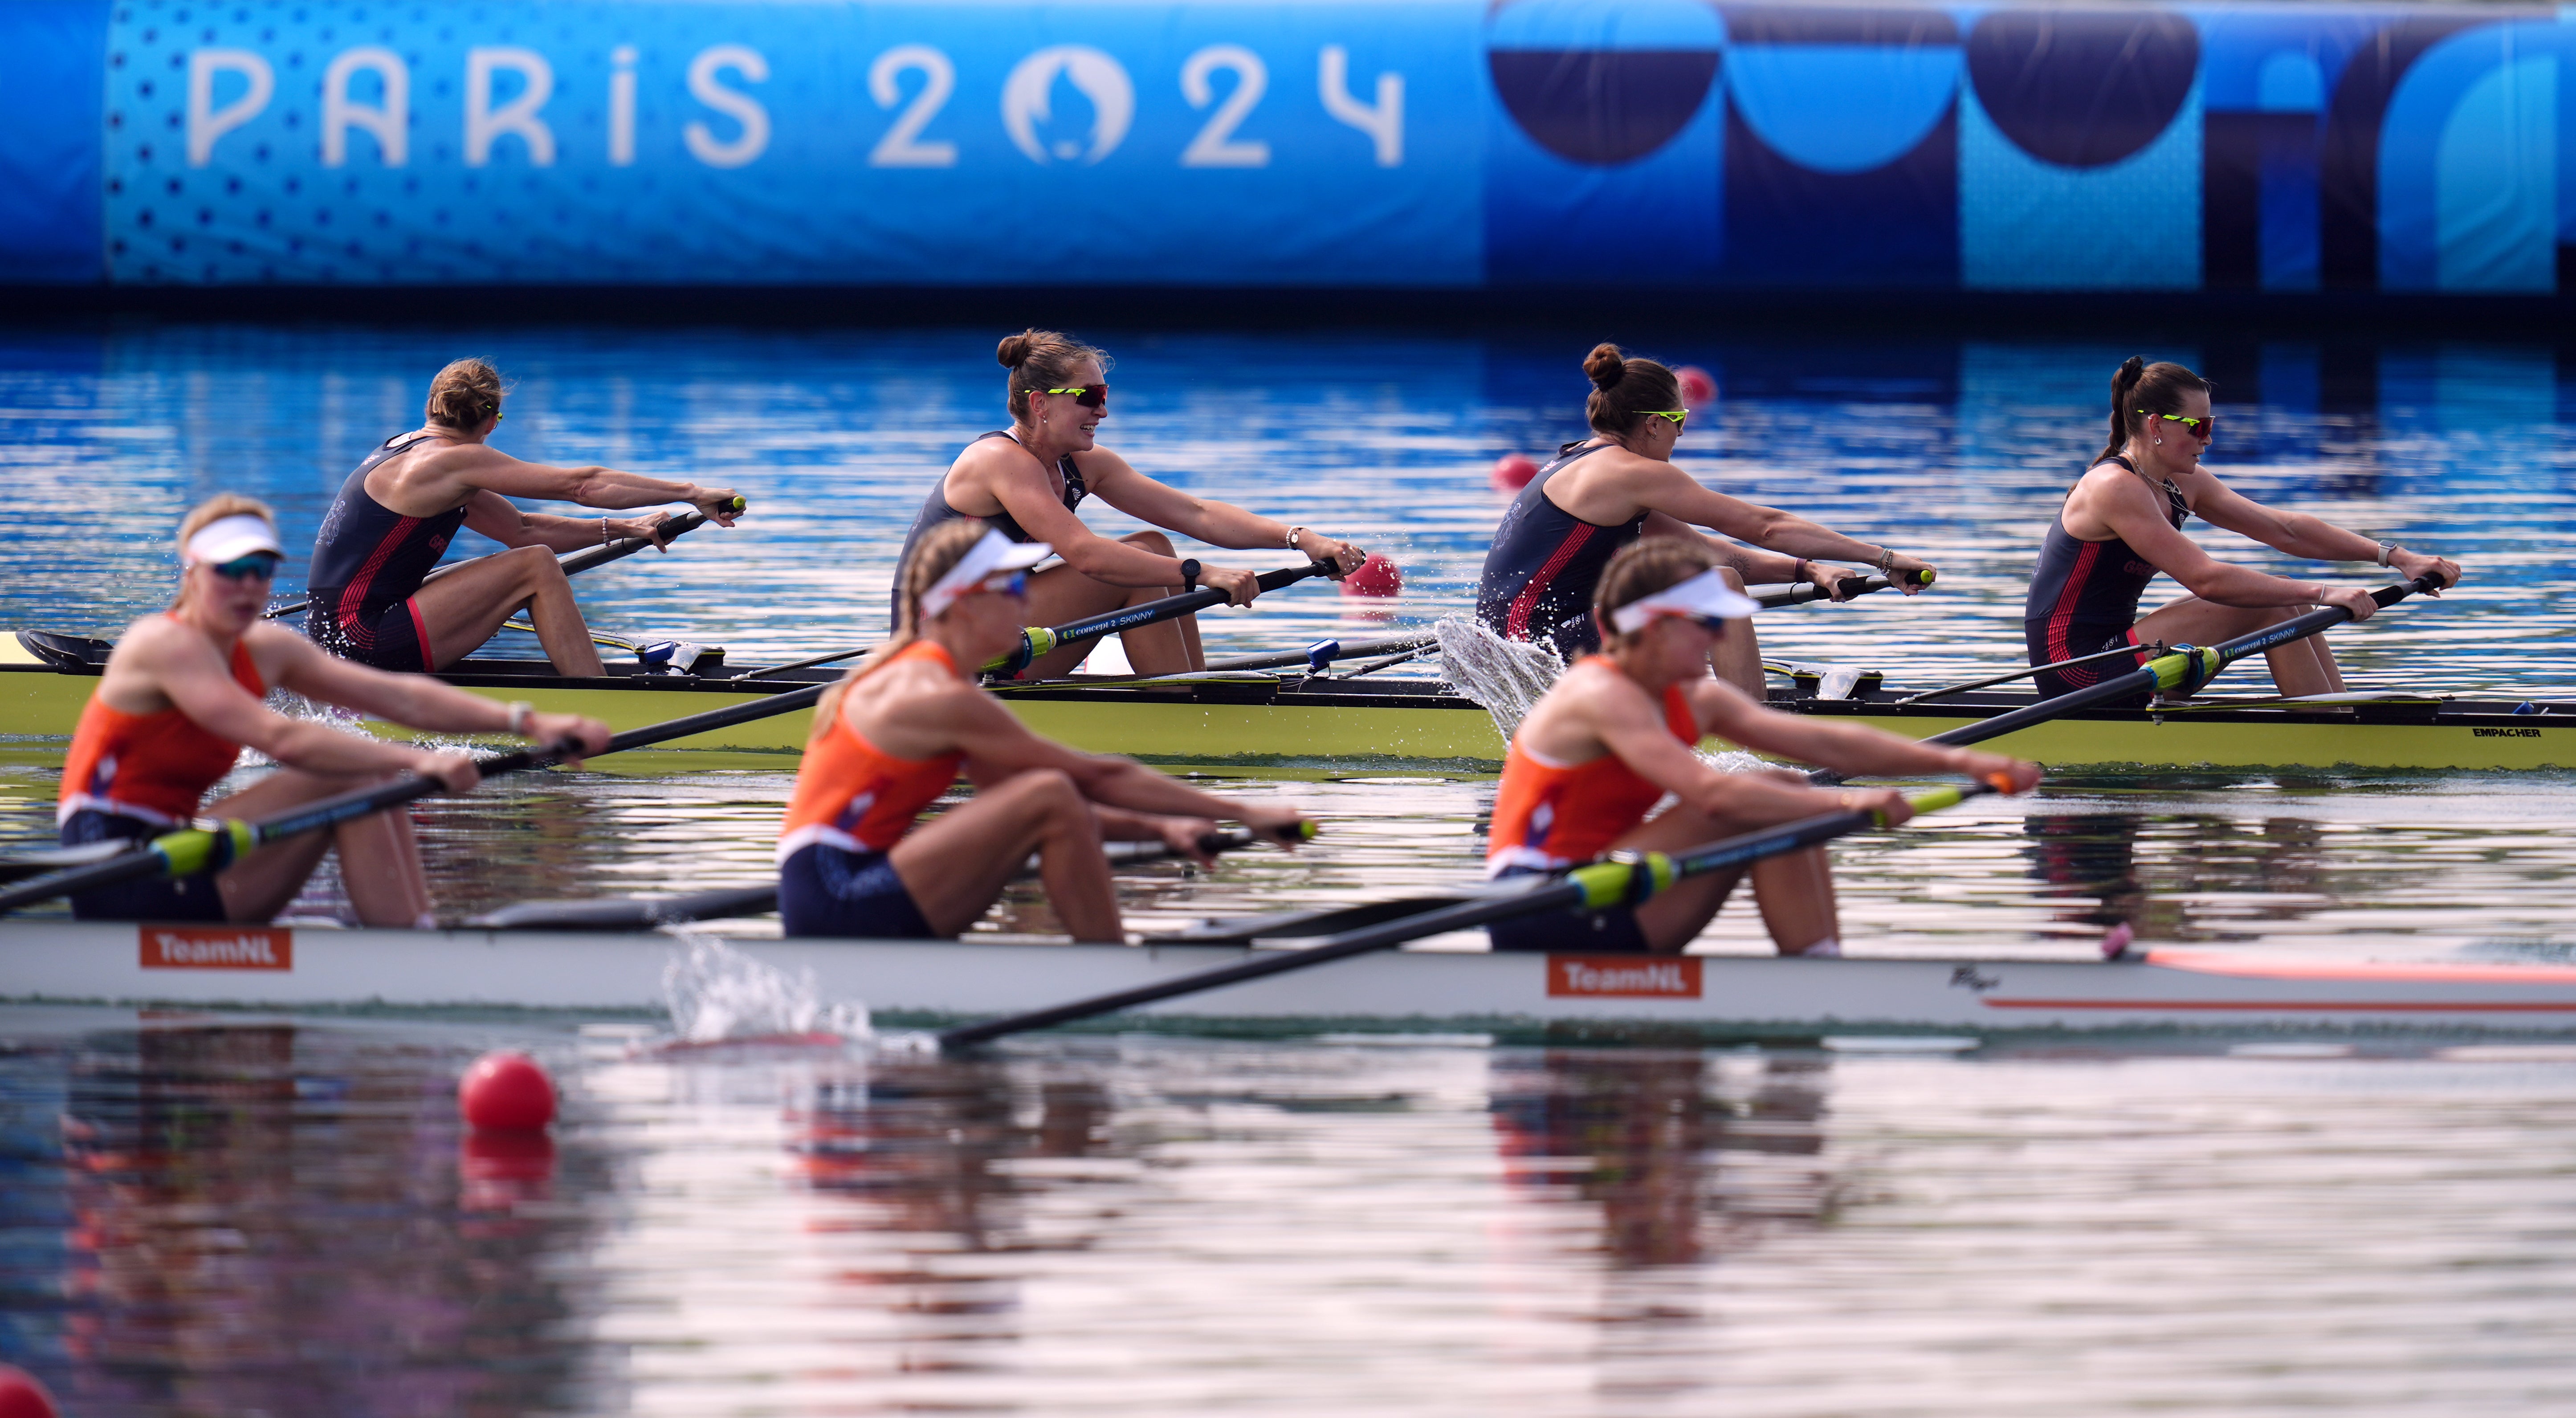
point(2029, 224)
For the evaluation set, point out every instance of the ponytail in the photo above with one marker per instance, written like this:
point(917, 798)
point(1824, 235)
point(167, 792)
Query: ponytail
point(939, 550)
point(2143, 388)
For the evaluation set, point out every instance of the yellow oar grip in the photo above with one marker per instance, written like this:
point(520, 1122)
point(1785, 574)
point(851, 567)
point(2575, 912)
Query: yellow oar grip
point(2181, 670)
point(195, 849)
point(738, 504)
point(1607, 884)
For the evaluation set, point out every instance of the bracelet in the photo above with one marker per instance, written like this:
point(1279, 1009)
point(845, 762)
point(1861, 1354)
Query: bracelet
point(1886, 559)
point(1293, 534)
point(521, 711)
point(1798, 571)
point(603, 531)
point(2387, 553)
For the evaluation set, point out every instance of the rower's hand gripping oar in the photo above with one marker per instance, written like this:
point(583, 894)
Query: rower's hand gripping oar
point(1038, 640)
point(1849, 586)
point(572, 562)
point(218, 843)
point(1623, 880)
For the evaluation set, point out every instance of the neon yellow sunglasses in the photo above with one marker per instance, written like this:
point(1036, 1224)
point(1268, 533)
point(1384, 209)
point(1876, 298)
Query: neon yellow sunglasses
point(1678, 416)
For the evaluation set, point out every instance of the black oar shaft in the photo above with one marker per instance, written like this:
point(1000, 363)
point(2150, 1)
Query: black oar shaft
point(1599, 885)
point(2009, 677)
point(1805, 591)
point(2184, 667)
point(572, 562)
point(1039, 640)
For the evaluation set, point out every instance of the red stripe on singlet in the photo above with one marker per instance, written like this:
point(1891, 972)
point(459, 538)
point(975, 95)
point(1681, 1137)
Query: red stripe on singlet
point(355, 597)
point(2063, 615)
point(1516, 623)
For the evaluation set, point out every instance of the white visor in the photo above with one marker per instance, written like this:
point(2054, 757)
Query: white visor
point(1701, 596)
point(230, 538)
point(990, 557)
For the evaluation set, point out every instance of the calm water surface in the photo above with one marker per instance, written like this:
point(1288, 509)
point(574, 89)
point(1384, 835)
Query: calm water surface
point(226, 1216)
point(231, 1217)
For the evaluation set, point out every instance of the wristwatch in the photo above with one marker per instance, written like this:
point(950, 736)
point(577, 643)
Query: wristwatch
point(2387, 553)
point(1293, 534)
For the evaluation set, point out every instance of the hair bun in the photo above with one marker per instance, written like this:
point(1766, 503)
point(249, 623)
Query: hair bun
point(1014, 349)
point(1606, 365)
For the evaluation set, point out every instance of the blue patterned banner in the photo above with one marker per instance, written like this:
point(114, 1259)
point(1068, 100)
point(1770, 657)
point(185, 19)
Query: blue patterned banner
point(1535, 143)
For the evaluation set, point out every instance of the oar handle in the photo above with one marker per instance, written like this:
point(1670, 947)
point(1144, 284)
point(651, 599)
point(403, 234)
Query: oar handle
point(1038, 640)
point(1850, 586)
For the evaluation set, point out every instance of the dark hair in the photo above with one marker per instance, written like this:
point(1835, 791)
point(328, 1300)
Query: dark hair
point(2141, 387)
point(464, 394)
point(1042, 359)
point(934, 556)
point(1624, 389)
point(1643, 567)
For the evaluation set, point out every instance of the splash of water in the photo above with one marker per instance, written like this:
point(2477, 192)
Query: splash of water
point(716, 993)
point(1508, 677)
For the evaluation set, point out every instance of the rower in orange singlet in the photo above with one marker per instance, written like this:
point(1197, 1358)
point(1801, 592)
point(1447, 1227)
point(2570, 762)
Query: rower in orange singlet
point(181, 698)
point(1618, 731)
point(894, 734)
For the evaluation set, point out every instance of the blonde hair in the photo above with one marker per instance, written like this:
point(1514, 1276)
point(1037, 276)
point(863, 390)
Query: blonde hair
point(1042, 359)
point(464, 394)
point(222, 504)
point(934, 556)
point(1643, 567)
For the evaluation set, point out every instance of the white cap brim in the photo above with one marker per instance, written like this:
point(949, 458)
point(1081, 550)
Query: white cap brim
point(1706, 594)
point(991, 556)
point(230, 538)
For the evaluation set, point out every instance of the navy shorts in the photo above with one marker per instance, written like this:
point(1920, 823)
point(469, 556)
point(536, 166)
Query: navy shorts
point(2084, 638)
point(1573, 930)
point(823, 890)
point(397, 641)
point(159, 898)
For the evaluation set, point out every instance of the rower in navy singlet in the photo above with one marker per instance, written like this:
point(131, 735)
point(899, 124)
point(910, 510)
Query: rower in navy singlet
point(935, 510)
point(1026, 483)
point(2122, 523)
point(1544, 564)
point(367, 561)
point(1582, 509)
point(371, 598)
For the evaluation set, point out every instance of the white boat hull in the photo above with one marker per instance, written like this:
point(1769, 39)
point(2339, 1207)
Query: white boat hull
point(279, 967)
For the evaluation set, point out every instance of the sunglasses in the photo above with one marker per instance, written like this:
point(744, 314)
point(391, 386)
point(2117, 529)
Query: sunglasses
point(1089, 396)
point(1014, 583)
point(259, 564)
point(1678, 416)
point(2200, 428)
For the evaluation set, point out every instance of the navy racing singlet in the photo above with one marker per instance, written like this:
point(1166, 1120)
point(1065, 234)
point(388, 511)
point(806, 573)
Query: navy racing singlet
point(2084, 597)
point(935, 510)
point(1544, 564)
point(367, 562)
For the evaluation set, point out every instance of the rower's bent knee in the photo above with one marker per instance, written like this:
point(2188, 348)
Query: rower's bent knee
point(1047, 790)
point(1733, 578)
point(1149, 540)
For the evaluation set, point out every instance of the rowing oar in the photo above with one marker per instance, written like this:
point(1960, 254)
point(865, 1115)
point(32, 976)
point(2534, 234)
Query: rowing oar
point(1621, 881)
point(2184, 668)
point(1805, 591)
point(634, 913)
point(572, 562)
point(1038, 640)
point(221, 843)
point(2111, 654)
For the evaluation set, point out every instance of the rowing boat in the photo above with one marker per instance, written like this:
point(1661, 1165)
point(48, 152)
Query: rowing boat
point(1249, 718)
point(1413, 990)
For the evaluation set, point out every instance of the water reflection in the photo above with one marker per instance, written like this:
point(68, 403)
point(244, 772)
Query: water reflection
point(261, 1224)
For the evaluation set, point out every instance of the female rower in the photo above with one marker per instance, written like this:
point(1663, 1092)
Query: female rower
point(372, 600)
point(2122, 524)
point(891, 737)
point(182, 697)
point(1617, 732)
point(1603, 493)
point(1026, 481)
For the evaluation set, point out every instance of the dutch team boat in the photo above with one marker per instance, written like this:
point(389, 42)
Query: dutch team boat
point(1338, 710)
point(1416, 990)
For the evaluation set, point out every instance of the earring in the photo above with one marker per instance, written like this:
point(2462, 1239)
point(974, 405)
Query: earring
point(2160, 443)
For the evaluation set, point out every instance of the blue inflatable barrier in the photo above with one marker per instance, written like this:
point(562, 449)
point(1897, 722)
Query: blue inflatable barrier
point(1411, 144)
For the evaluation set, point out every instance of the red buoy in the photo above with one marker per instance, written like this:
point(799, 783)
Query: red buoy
point(1699, 387)
point(22, 1397)
point(1513, 471)
point(505, 1091)
point(1377, 576)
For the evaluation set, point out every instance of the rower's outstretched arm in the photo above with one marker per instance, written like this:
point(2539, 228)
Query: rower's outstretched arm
point(1668, 489)
point(1855, 750)
point(2136, 514)
point(2304, 535)
point(1219, 524)
point(416, 701)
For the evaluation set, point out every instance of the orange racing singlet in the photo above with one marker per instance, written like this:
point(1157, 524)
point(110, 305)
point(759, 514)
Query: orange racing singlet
point(1549, 815)
point(156, 767)
point(854, 796)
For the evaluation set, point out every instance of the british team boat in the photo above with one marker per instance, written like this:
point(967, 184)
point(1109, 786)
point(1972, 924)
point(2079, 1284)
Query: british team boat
point(1414, 990)
point(1298, 714)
